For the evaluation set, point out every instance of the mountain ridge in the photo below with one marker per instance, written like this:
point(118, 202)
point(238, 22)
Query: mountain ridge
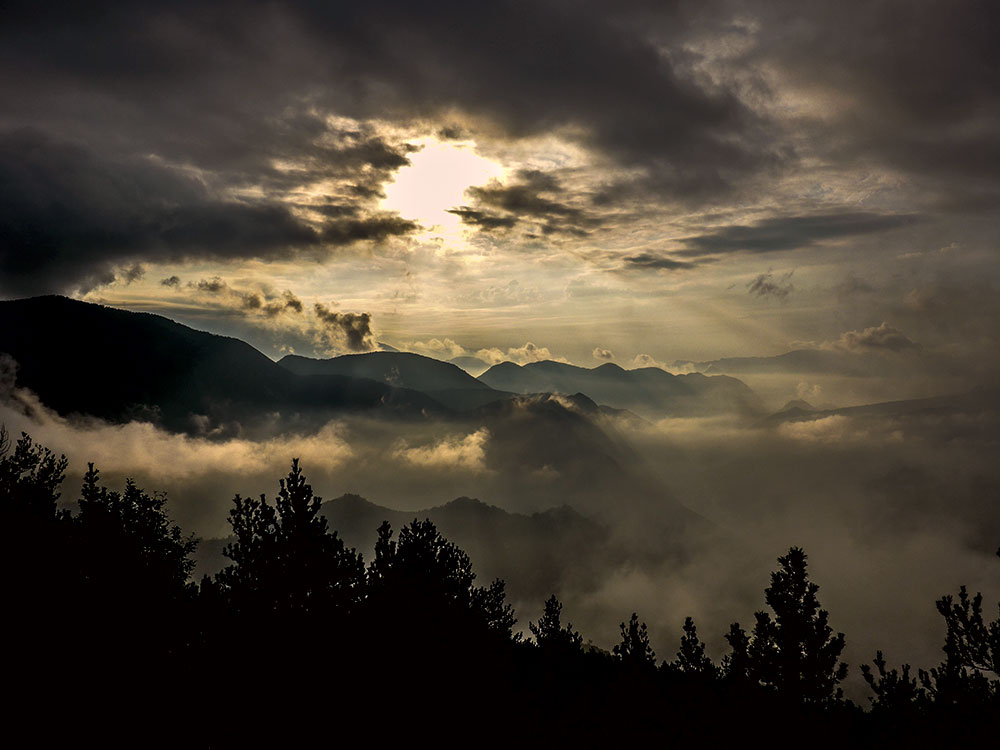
point(648, 390)
point(80, 357)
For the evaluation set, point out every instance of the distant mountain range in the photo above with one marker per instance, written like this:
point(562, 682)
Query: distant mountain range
point(647, 391)
point(117, 365)
point(442, 381)
point(973, 402)
point(820, 361)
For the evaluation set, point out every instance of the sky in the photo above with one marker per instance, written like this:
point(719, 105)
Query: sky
point(644, 183)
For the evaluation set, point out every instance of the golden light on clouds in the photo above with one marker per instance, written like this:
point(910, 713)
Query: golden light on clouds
point(435, 181)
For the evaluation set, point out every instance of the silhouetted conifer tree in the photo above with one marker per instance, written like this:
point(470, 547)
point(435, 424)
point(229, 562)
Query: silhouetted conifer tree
point(691, 658)
point(634, 650)
point(550, 634)
point(795, 652)
point(30, 476)
point(895, 690)
point(968, 675)
point(424, 572)
point(285, 559)
point(130, 533)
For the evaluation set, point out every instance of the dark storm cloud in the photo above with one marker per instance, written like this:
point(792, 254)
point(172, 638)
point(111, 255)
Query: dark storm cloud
point(483, 219)
point(792, 232)
point(375, 228)
point(66, 218)
point(345, 328)
point(533, 198)
point(238, 85)
point(171, 281)
point(916, 81)
point(524, 197)
point(655, 262)
point(244, 97)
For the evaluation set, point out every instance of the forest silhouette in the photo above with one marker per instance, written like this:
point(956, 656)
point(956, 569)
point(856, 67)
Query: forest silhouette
point(299, 639)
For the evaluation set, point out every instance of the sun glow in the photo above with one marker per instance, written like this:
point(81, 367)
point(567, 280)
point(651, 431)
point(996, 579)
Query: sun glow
point(435, 181)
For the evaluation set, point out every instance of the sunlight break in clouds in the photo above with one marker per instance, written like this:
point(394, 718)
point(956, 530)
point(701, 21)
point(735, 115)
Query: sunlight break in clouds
point(435, 181)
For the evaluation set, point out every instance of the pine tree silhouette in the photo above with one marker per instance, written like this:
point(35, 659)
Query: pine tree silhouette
point(634, 650)
point(550, 634)
point(795, 652)
point(691, 658)
point(285, 559)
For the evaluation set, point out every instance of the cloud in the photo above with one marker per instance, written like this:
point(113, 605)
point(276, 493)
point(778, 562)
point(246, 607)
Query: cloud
point(436, 348)
point(872, 340)
point(884, 104)
point(881, 337)
point(483, 219)
point(518, 354)
point(655, 262)
point(452, 453)
point(68, 218)
point(214, 285)
point(272, 306)
point(260, 301)
point(352, 331)
point(171, 281)
point(766, 285)
point(530, 200)
point(70, 215)
point(792, 232)
point(133, 273)
point(373, 228)
point(604, 354)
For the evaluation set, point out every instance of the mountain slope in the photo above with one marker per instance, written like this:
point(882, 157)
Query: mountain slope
point(118, 365)
point(442, 381)
point(647, 390)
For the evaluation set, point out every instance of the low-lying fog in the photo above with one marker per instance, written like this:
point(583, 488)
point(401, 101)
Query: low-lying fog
point(893, 510)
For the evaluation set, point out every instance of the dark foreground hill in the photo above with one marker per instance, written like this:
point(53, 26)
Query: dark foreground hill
point(647, 391)
point(119, 365)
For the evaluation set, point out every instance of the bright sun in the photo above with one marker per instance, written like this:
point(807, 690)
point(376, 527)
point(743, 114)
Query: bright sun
point(436, 180)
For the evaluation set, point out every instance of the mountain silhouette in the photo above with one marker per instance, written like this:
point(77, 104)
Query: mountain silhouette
point(472, 365)
point(445, 382)
point(976, 401)
point(647, 390)
point(535, 553)
point(850, 363)
point(117, 365)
